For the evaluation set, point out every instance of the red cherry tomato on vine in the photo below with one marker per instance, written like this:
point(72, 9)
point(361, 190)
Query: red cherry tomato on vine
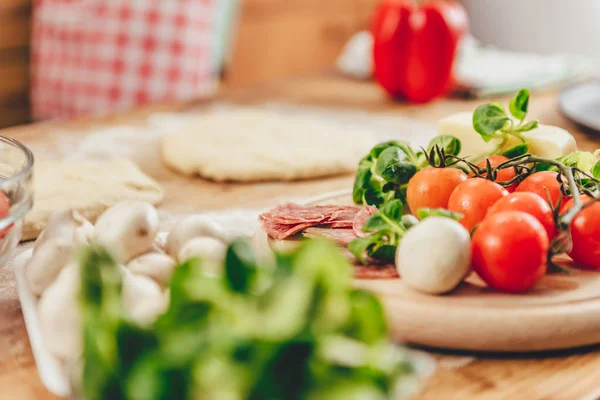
point(510, 251)
point(585, 233)
point(473, 198)
point(432, 187)
point(531, 204)
point(503, 175)
point(538, 183)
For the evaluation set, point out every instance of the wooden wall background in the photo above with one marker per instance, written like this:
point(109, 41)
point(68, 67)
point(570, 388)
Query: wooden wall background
point(14, 61)
point(274, 39)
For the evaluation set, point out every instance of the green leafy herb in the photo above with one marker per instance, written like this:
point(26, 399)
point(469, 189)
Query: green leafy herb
point(492, 122)
point(423, 213)
point(296, 331)
point(596, 170)
point(394, 167)
point(531, 125)
point(519, 104)
point(488, 119)
point(383, 173)
point(450, 144)
point(386, 228)
point(515, 151)
point(584, 160)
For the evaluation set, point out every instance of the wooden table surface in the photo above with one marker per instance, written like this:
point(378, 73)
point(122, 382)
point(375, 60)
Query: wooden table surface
point(564, 375)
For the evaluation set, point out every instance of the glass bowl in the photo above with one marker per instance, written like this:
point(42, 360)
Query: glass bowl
point(16, 182)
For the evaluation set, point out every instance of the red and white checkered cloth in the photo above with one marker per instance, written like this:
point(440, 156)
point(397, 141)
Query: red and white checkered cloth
point(99, 56)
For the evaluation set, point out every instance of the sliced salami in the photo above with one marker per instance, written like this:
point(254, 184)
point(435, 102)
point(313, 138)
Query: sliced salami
point(340, 224)
point(361, 217)
point(375, 272)
point(290, 214)
point(341, 236)
point(346, 213)
point(283, 231)
point(286, 217)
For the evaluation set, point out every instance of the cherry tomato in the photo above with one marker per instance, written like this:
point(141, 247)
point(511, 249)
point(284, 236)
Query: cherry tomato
point(473, 198)
point(510, 251)
point(4, 211)
point(503, 175)
point(530, 203)
point(538, 183)
point(432, 187)
point(585, 232)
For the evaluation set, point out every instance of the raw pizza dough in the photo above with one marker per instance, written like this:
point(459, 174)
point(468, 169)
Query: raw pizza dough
point(257, 145)
point(89, 187)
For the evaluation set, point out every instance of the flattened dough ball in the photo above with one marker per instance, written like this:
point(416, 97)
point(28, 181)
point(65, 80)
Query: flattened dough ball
point(256, 145)
point(88, 187)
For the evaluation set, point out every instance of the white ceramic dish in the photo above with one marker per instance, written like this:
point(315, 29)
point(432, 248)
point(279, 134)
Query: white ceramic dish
point(51, 370)
point(581, 104)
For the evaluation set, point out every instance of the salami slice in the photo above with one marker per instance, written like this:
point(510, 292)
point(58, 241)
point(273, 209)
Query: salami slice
point(375, 272)
point(346, 213)
point(341, 236)
point(340, 224)
point(290, 214)
point(283, 231)
point(361, 217)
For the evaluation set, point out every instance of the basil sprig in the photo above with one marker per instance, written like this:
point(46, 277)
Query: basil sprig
point(383, 174)
point(386, 228)
point(295, 330)
point(492, 122)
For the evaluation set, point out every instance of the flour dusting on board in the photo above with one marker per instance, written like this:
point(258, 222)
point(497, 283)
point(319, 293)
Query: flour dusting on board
point(120, 141)
point(129, 140)
point(382, 126)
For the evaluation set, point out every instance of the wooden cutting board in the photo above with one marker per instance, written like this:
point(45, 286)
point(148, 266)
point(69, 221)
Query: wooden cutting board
point(562, 311)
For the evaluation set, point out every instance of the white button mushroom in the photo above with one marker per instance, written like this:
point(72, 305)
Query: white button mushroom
point(59, 315)
point(189, 228)
point(210, 250)
point(67, 224)
point(128, 229)
point(143, 300)
point(434, 256)
point(157, 266)
point(46, 263)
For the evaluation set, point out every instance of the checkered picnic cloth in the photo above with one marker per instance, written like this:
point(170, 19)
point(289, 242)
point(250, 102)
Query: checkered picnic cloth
point(99, 56)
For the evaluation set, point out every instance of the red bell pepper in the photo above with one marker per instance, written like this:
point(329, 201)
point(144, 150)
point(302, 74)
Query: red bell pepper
point(415, 45)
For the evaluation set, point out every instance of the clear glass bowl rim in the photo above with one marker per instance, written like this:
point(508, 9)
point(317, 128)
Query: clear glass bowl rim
point(24, 171)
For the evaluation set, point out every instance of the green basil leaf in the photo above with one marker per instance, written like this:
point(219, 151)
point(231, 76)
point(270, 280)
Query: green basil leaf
point(518, 105)
point(393, 210)
point(367, 319)
point(517, 150)
point(361, 182)
point(388, 218)
point(240, 267)
point(359, 247)
point(584, 160)
point(529, 126)
point(392, 166)
point(375, 223)
point(450, 144)
point(488, 119)
point(373, 196)
point(379, 148)
point(423, 213)
point(596, 170)
point(385, 253)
